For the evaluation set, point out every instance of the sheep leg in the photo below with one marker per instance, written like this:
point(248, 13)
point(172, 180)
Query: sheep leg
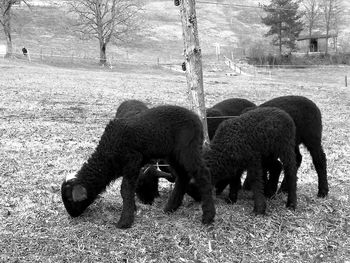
point(274, 168)
point(290, 171)
point(258, 188)
point(202, 177)
point(313, 144)
point(320, 162)
point(298, 158)
point(235, 186)
point(193, 190)
point(196, 169)
point(130, 173)
point(179, 190)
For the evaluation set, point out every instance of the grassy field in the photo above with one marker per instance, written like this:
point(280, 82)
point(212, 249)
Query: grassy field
point(50, 122)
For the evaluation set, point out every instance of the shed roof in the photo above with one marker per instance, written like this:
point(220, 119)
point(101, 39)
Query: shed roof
point(317, 36)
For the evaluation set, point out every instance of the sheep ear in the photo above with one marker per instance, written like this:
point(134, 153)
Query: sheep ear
point(79, 193)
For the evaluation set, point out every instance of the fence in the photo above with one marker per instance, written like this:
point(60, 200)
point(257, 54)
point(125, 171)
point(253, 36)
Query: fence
point(221, 64)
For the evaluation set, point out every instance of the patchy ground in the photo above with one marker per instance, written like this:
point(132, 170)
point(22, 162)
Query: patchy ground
point(51, 120)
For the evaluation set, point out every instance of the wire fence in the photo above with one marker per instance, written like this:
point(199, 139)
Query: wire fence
point(73, 58)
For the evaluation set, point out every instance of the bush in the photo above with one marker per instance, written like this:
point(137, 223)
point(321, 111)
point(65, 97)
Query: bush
point(294, 59)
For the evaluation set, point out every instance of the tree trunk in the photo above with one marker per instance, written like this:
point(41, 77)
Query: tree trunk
point(103, 57)
point(280, 39)
point(328, 16)
point(7, 32)
point(326, 52)
point(310, 32)
point(193, 56)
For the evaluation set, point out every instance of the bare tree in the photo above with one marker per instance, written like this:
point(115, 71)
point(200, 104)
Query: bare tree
point(107, 20)
point(312, 14)
point(332, 11)
point(5, 21)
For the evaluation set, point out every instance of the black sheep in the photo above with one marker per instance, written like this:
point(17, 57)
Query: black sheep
point(130, 108)
point(147, 184)
point(244, 143)
point(127, 144)
point(228, 107)
point(308, 122)
point(215, 115)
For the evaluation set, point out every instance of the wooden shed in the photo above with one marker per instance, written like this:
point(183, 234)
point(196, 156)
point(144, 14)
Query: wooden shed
point(316, 43)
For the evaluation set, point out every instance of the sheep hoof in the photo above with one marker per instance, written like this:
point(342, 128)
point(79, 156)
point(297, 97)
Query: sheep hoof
point(206, 220)
point(322, 193)
point(259, 210)
point(169, 210)
point(291, 205)
point(124, 223)
point(231, 199)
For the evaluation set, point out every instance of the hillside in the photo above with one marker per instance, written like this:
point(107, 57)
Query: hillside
point(47, 29)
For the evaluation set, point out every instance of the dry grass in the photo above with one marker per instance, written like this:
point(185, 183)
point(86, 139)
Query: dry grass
point(51, 120)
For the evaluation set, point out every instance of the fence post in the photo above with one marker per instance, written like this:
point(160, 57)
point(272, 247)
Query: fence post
point(41, 54)
point(346, 80)
point(158, 62)
point(110, 62)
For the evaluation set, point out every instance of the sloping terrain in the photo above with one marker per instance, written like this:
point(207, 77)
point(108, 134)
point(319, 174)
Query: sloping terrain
point(49, 29)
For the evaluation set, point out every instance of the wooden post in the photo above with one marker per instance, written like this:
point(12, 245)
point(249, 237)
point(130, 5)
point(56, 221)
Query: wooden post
point(193, 60)
point(111, 62)
point(346, 80)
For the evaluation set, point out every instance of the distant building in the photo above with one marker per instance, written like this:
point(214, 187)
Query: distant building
point(316, 43)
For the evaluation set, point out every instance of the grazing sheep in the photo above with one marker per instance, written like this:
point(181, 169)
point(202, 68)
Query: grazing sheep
point(308, 122)
point(235, 107)
point(228, 107)
point(127, 144)
point(147, 184)
point(245, 143)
